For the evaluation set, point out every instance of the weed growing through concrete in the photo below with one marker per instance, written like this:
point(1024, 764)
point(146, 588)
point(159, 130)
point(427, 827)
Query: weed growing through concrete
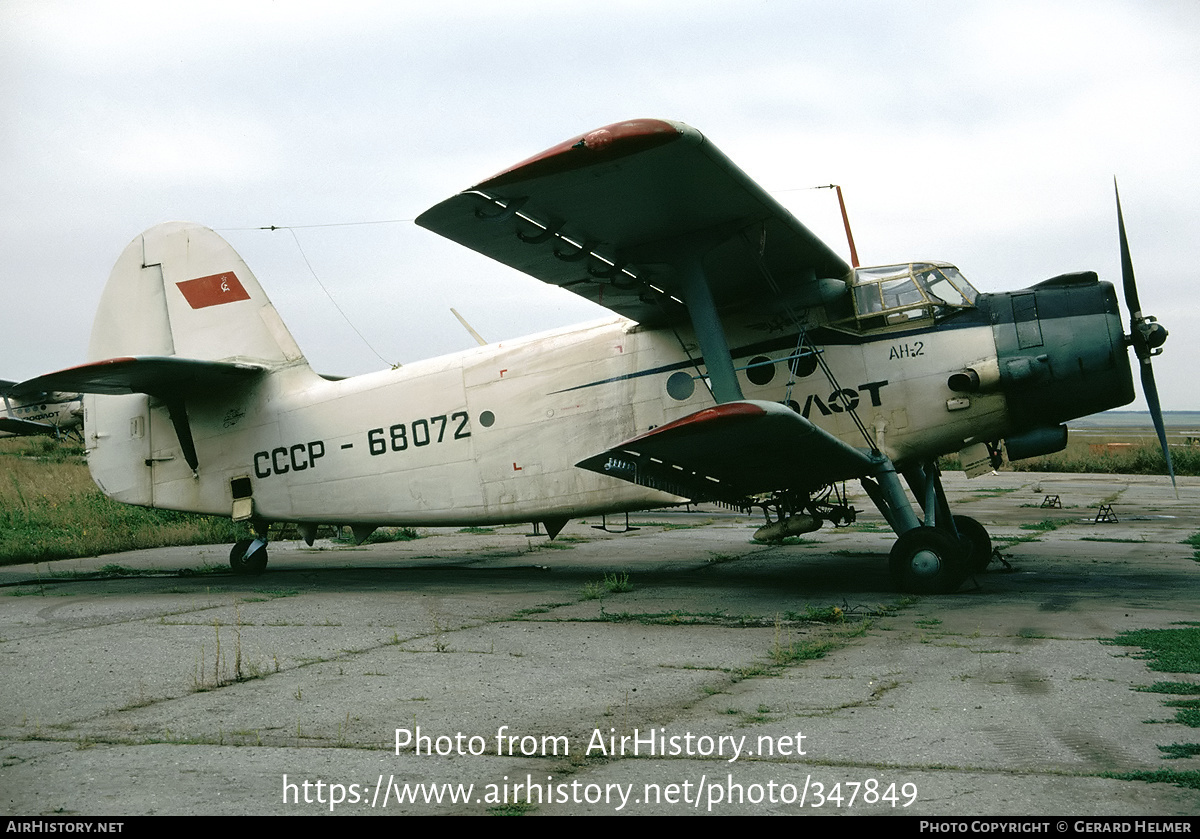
point(1044, 526)
point(392, 534)
point(1166, 650)
point(1177, 751)
point(785, 651)
point(617, 583)
point(1194, 541)
point(1169, 651)
point(611, 584)
point(818, 614)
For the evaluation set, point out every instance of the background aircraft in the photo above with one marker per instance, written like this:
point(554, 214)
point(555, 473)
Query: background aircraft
point(747, 363)
point(55, 414)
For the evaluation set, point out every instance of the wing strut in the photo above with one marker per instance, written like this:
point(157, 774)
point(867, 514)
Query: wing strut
point(177, 411)
point(709, 332)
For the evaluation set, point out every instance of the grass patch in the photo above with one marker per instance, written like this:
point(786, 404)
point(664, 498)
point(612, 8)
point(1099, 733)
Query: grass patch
point(1170, 651)
point(611, 584)
point(869, 527)
point(818, 614)
point(1166, 650)
point(617, 583)
point(1044, 526)
point(1139, 459)
point(785, 651)
point(392, 534)
point(1194, 541)
point(677, 617)
point(1176, 688)
point(1140, 455)
point(790, 653)
point(1187, 713)
point(1177, 751)
point(50, 509)
point(672, 525)
point(1187, 780)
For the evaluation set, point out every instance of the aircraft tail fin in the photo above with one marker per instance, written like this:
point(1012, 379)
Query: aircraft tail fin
point(181, 290)
point(183, 339)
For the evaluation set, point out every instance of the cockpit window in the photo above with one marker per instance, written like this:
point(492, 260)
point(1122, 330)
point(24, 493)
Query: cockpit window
point(946, 284)
point(895, 295)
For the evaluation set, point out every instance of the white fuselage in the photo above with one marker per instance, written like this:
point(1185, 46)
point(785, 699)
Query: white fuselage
point(57, 411)
point(493, 434)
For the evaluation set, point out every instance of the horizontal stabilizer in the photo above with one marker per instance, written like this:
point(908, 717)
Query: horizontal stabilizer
point(733, 451)
point(157, 376)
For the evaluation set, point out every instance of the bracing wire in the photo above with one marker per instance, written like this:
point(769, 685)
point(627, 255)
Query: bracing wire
point(312, 271)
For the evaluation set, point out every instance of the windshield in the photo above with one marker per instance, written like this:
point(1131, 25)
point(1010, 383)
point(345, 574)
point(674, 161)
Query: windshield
point(898, 294)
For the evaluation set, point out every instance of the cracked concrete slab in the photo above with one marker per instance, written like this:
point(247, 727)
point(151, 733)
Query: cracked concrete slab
point(179, 689)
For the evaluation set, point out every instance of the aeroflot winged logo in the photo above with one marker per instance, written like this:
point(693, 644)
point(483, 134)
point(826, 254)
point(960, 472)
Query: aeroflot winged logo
point(213, 291)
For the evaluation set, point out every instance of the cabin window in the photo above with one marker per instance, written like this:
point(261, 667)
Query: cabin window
point(898, 296)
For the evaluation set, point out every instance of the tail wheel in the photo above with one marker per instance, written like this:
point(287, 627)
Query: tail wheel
point(245, 561)
point(927, 561)
point(979, 550)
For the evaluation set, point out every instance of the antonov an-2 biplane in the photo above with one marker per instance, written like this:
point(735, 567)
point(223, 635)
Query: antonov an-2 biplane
point(746, 363)
point(55, 415)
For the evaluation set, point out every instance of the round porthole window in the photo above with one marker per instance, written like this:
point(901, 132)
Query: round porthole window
point(805, 364)
point(487, 419)
point(681, 386)
point(760, 370)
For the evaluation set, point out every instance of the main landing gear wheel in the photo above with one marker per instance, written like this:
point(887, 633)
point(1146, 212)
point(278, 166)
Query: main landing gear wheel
point(248, 562)
point(974, 534)
point(927, 561)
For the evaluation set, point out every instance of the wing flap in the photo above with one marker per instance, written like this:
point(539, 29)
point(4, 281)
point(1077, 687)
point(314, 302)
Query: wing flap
point(613, 214)
point(733, 451)
point(155, 375)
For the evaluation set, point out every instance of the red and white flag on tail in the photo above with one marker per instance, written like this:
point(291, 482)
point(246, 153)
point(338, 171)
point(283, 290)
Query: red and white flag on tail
point(213, 291)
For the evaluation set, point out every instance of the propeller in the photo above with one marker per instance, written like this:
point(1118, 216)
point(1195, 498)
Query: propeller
point(1147, 336)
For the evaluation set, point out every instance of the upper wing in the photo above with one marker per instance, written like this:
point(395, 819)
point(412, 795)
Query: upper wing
point(613, 214)
point(732, 451)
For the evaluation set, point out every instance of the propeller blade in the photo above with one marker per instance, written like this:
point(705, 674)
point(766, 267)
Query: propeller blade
point(1140, 336)
point(1151, 391)
point(1131, 296)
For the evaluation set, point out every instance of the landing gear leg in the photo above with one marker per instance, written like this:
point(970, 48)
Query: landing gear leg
point(249, 556)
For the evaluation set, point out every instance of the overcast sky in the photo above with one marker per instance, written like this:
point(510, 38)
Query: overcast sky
point(983, 134)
